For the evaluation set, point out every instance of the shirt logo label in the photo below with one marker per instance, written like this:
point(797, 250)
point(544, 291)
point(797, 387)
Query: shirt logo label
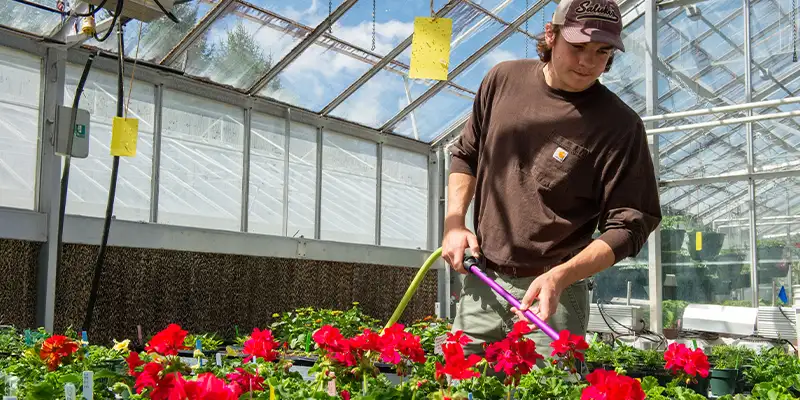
point(560, 154)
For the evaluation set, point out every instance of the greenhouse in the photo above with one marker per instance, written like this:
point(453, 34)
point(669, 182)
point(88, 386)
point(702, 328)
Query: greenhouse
point(239, 199)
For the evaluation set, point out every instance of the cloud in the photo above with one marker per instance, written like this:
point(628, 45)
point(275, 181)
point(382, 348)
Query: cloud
point(497, 56)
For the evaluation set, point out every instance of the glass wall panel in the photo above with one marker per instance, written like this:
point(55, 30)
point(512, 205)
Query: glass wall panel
point(778, 238)
point(90, 178)
point(201, 163)
point(20, 75)
point(302, 179)
point(267, 154)
point(349, 186)
point(404, 199)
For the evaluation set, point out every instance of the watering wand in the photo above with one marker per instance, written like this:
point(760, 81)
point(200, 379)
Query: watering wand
point(471, 265)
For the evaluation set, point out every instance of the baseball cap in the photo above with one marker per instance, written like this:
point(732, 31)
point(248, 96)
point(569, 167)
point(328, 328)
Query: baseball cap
point(586, 21)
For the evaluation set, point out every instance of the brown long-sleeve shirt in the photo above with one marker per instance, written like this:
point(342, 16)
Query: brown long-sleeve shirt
point(552, 166)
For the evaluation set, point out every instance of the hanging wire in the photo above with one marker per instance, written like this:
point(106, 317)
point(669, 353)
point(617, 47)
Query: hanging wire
point(373, 25)
point(330, 11)
point(527, 38)
point(794, 29)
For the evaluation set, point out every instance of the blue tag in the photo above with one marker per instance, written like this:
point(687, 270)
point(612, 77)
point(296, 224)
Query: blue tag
point(85, 338)
point(782, 295)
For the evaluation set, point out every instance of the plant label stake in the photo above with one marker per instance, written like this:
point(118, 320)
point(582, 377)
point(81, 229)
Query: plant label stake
point(69, 391)
point(219, 359)
point(88, 385)
point(471, 265)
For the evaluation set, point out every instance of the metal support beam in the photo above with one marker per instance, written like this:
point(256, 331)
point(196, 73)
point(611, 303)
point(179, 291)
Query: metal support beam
point(48, 192)
point(379, 66)
point(729, 178)
point(730, 121)
point(378, 192)
point(155, 174)
point(248, 118)
point(494, 42)
point(751, 183)
point(198, 30)
point(318, 189)
point(655, 283)
point(723, 109)
point(286, 142)
point(302, 46)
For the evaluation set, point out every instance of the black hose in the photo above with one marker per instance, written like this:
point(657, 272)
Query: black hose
point(112, 190)
point(117, 14)
point(68, 158)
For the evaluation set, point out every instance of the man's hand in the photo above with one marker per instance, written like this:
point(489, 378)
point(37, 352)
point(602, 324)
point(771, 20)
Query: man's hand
point(456, 241)
point(547, 289)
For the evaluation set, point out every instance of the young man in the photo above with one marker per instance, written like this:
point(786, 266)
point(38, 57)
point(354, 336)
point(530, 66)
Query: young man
point(550, 155)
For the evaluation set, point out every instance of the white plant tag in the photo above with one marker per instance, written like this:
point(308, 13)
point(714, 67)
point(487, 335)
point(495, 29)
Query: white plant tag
point(88, 385)
point(69, 391)
point(219, 359)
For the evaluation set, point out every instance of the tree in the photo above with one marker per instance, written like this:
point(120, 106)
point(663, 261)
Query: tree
point(240, 60)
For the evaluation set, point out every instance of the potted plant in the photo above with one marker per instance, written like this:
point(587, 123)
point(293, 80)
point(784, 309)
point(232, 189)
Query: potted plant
point(727, 368)
point(672, 234)
point(710, 242)
point(671, 312)
point(770, 254)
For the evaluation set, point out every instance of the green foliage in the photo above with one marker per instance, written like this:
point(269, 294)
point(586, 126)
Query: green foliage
point(731, 357)
point(296, 327)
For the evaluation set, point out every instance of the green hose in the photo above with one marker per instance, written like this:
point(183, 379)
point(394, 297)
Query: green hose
point(413, 288)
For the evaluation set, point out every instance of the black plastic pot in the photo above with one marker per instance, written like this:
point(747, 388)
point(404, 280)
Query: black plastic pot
point(672, 239)
point(724, 381)
point(701, 386)
point(711, 245)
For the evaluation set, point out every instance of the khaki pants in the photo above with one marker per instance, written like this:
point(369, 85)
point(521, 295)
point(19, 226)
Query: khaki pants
point(486, 317)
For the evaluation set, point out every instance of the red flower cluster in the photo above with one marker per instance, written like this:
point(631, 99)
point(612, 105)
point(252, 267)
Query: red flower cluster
point(261, 345)
point(455, 363)
point(608, 385)
point(680, 359)
point(163, 381)
point(515, 355)
point(394, 345)
point(569, 346)
point(169, 341)
point(55, 348)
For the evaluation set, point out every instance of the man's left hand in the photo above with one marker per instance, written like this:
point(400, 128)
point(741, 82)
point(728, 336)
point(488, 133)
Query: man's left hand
point(547, 290)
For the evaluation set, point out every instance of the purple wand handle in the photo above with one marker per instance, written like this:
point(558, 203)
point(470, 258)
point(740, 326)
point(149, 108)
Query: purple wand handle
point(470, 264)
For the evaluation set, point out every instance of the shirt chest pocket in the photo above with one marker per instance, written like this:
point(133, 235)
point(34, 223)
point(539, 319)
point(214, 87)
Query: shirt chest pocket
point(560, 164)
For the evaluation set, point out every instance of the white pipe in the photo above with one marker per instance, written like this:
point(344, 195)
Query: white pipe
point(713, 110)
point(722, 122)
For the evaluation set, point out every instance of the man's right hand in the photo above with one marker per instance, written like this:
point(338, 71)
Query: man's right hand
point(454, 245)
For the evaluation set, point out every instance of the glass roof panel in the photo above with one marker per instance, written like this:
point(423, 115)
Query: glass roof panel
point(326, 69)
point(157, 37)
point(29, 18)
point(448, 106)
point(772, 47)
point(240, 46)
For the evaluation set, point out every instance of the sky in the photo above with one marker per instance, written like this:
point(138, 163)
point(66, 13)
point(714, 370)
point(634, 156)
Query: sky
point(320, 74)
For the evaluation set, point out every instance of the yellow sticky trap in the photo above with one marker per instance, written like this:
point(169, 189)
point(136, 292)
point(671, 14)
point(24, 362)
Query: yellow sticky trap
point(124, 134)
point(430, 48)
point(698, 239)
point(271, 392)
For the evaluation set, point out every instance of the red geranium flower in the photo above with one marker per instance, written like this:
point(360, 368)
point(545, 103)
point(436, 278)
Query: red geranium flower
point(680, 359)
point(166, 386)
point(569, 345)
point(169, 341)
point(247, 382)
point(261, 345)
point(515, 355)
point(608, 385)
point(55, 348)
point(455, 364)
point(208, 386)
point(134, 361)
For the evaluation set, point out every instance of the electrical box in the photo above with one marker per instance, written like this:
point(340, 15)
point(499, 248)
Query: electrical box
point(80, 142)
point(142, 10)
